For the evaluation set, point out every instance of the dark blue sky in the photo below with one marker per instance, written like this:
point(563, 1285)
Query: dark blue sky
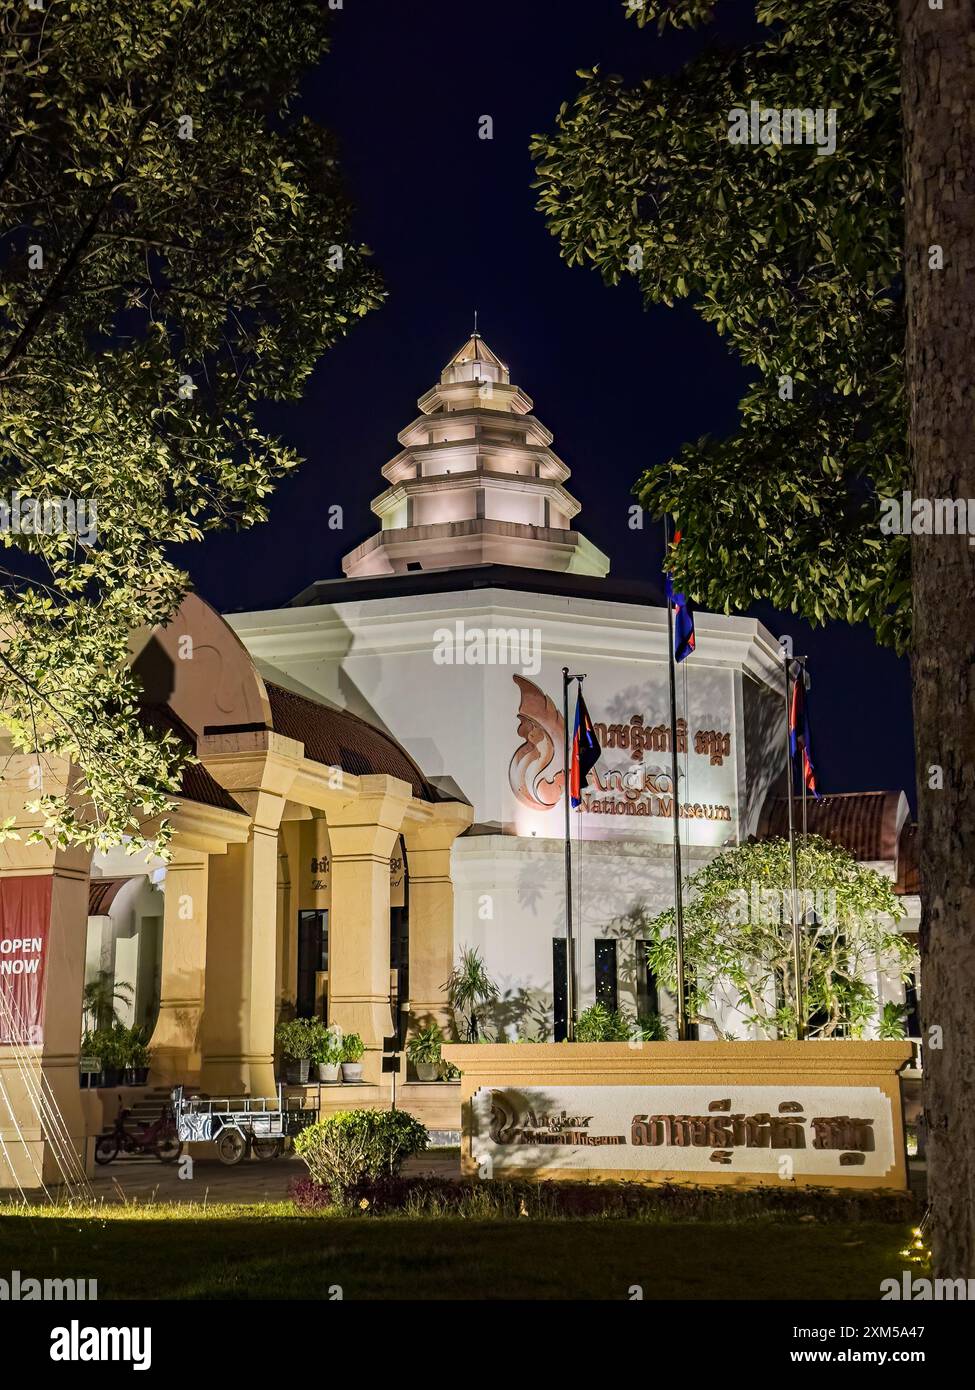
point(452, 223)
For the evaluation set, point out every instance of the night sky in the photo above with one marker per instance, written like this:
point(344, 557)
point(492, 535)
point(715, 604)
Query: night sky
point(451, 221)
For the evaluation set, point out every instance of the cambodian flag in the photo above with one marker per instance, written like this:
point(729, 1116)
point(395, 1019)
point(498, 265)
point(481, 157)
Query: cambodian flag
point(585, 752)
point(799, 737)
point(684, 639)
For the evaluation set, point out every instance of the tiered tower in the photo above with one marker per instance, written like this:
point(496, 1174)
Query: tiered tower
point(475, 483)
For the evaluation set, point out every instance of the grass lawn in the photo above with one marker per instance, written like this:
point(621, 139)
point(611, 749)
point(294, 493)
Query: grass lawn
point(272, 1253)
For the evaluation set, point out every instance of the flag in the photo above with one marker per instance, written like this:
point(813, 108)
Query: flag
point(799, 737)
point(584, 753)
point(684, 639)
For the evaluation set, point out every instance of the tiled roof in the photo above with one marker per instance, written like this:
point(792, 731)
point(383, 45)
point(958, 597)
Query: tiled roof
point(865, 823)
point(102, 892)
point(197, 784)
point(340, 739)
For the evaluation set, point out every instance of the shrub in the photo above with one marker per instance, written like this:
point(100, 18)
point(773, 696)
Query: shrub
point(436, 1197)
point(425, 1045)
point(352, 1048)
point(117, 1047)
point(599, 1024)
point(295, 1037)
point(352, 1148)
point(651, 1028)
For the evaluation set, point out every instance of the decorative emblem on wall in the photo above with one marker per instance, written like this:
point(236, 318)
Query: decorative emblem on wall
point(542, 730)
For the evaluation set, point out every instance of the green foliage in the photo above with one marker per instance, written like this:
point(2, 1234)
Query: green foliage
point(892, 1024)
point(183, 280)
point(425, 1045)
point(296, 1036)
point(599, 1024)
point(651, 1028)
point(796, 261)
point(325, 1045)
point(467, 986)
point(116, 1046)
point(351, 1147)
point(99, 998)
point(738, 938)
point(353, 1048)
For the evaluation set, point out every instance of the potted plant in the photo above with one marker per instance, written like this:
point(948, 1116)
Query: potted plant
point(423, 1050)
point(352, 1051)
point(111, 1047)
point(468, 986)
point(137, 1062)
point(294, 1038)
point(326, 1052)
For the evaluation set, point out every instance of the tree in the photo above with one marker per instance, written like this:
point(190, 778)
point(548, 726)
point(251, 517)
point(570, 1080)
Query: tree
point(801, 262)
point(795, 259)
point(176, 246)
point(938, 84)
point(738, 940)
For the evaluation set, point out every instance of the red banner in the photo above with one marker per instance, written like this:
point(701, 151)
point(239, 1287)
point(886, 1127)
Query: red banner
point(25, 915)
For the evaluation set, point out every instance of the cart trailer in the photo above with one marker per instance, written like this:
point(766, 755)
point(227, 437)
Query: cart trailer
point(237, 1125)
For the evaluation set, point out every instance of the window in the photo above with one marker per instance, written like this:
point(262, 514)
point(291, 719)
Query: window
point(399, 961)
point(312, 957)
point(647, 993)
point(607, 989)
point(560, 991)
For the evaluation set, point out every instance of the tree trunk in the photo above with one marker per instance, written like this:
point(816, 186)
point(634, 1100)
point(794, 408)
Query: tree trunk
point(938, 83)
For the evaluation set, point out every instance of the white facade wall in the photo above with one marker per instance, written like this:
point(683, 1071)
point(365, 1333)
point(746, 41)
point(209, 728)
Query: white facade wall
point(435, 671)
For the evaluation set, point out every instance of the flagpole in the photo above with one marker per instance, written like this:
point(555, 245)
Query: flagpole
point(570, 991)
point(678, 875)
point(796, 940)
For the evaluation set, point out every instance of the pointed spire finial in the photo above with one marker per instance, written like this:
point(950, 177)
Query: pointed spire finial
point(475, 323)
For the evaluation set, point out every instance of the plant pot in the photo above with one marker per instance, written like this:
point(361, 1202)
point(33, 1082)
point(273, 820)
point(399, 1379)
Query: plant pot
point(110, 1077)
point(141, 1075)
point(296, 1073)
point(329, 1071)
point(427, 1071)
point(351, 1071)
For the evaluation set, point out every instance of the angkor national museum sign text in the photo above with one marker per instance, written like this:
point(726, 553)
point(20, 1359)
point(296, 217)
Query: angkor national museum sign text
point(776, 1131)
point(632, 778)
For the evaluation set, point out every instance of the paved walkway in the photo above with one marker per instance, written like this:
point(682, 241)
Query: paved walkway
point(146, 1179)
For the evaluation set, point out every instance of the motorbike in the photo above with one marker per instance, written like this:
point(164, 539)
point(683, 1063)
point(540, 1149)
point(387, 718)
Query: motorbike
point(158, 1139)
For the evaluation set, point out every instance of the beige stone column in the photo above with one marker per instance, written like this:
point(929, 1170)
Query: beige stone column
point(175, 1040)
point(239, 1010)
point(42, 1129)
point(431, 899)
point(241, 952)
point(362, 832)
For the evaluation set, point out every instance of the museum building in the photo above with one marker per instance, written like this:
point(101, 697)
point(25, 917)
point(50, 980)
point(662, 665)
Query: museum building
point(379, 785)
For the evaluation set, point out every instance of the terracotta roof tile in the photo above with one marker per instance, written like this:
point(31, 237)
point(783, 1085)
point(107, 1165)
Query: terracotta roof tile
point(865, 823)
point(340, 739)
point(102, 892)
point(197, 784)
